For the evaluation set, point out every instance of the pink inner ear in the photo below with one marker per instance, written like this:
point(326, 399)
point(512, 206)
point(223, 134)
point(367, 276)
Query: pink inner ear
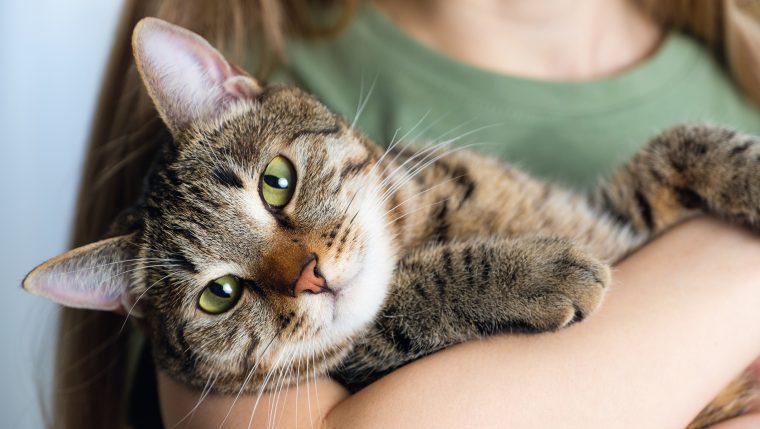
point(95, 276)
point(216, 67)
point(239, 87)
point(187, 78)
point(64, 292)
point(71, 284)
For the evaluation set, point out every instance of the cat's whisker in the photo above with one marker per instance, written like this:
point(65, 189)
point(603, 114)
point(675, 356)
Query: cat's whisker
point(216, 378)
point(348, 206)
point(260, 394)
point(108, 264)
point(374, 167)
point(414, 127)
point(308, 391)
point(453, 129)
point(363, 104)
point(212, 154)
point(393, 139)
point(129, 313)
point(388, 148)
point(247, 379)
point(275, 396)
point(423, 192)
point(272, 394)
point(390, 176)
point(408, 143)
point(316, 384)
point(121, 273)
point(287, 383)
point(263, 386)
point(442, 143)
point(434, 142)
point(285, 375)
point(429, 150)
point(427, 164)
point(359, 100)
point(418, 136)
point(298, 385)
point(400, 169)
point(206, 389)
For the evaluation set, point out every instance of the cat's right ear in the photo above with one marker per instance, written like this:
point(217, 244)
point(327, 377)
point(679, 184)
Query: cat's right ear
point(188, 80)
point(95, 276)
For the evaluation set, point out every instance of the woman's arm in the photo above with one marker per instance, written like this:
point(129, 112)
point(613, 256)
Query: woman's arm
point(681, 320)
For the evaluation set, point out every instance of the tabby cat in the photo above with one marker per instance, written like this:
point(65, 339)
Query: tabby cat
point(273, 237)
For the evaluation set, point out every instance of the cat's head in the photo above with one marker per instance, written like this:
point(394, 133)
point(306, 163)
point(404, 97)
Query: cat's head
point(262, 244)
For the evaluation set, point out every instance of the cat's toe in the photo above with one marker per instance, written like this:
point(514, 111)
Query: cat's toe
point(582, 281)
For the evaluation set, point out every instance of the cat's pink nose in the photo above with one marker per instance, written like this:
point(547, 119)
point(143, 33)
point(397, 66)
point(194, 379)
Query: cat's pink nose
point(310, 280)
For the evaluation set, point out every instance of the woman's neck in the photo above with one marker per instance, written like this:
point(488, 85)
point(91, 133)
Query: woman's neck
point(558, 40)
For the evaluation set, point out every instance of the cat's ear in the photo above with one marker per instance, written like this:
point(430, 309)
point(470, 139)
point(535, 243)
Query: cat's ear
point(186, 77)
point(95, 276)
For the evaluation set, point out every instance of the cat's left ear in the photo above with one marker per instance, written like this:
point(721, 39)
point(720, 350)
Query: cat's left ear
point(188, 80)
point(95, 276)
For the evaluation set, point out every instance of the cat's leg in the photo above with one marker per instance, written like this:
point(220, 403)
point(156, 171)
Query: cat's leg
point(684, 171)
point(448, 293)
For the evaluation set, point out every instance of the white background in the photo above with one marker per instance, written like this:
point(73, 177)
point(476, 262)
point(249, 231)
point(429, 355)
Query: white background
point(52, 57)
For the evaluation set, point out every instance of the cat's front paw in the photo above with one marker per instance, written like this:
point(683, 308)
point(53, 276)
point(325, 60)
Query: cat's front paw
point(569, 285)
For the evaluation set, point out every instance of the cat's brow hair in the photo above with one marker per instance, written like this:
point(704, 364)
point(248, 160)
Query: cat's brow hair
point(333, 130)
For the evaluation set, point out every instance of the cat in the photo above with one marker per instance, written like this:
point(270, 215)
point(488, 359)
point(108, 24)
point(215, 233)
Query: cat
point(273, 238)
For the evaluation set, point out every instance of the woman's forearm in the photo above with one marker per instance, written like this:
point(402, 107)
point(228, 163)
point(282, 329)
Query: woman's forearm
point(682, 318)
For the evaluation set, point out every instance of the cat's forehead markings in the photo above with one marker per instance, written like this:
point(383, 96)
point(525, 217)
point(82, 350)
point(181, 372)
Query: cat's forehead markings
point(226, 176)
point(329, 130)
point(220, 269)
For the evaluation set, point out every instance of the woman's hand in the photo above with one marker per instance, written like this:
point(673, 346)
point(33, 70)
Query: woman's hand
point(681, 320)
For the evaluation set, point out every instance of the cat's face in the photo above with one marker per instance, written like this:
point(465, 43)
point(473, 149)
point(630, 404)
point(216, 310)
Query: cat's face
point(216, 212)
point(263, 245)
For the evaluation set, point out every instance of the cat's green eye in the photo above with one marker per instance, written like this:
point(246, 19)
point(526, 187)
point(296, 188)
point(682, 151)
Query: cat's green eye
point(220, 295)
point(278, 182)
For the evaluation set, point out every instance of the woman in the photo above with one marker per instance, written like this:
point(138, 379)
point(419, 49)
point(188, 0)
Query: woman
point(592, 77)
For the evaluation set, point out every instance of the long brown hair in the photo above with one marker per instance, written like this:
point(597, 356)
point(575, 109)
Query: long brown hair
point(91, 374)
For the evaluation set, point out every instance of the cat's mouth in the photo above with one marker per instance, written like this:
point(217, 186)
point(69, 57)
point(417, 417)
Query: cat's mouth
point(345, 305)
point(339, 290)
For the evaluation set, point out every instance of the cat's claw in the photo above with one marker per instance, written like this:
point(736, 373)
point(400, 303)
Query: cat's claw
point(573, 285)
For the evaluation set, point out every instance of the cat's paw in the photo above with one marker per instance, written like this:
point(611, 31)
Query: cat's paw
point(569, 285)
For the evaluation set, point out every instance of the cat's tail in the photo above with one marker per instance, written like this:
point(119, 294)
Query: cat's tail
point(735, 400)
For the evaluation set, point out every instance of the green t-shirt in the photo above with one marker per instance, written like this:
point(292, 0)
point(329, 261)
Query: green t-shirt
point(569, 132)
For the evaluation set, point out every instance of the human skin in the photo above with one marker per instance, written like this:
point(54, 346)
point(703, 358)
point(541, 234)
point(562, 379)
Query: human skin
point(680, 321)
point(556, 40)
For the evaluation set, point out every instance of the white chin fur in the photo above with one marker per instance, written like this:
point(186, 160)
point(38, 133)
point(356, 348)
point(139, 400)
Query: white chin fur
point(358, 303)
